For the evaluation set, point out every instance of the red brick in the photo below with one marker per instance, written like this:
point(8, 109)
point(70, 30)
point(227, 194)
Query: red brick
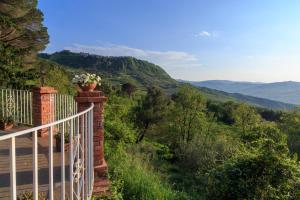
point(42, 112)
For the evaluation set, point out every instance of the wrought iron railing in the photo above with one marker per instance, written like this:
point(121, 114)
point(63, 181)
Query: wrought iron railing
point(79, 128)
point(64, 105)
point(16, 104)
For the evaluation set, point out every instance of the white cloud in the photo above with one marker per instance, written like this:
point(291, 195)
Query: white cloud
point(204, 34)
point(207, 34)
point(171, 61)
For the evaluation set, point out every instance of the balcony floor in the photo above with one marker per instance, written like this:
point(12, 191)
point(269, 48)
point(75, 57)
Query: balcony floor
point(24, 166)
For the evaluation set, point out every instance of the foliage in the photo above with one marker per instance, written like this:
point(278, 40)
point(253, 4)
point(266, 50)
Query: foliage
point(118, 127)
point(187, 117)
point(7, 119)
point(246, 118)
point(265, 175)
point(151, 110)
point(29, 196)
point(265, 171)
point(106, 87)
point(128, 88)
point(58, 136)
point(137, 180)
point(222, 112)
point(22, 33)
point(205, 152)
point(290, 123)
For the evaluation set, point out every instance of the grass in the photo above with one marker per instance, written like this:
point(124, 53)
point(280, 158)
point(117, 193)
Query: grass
point(134, 179)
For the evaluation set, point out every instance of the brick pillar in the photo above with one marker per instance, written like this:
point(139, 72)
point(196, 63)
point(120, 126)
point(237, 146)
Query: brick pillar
point(43, 107)
point(84, 100)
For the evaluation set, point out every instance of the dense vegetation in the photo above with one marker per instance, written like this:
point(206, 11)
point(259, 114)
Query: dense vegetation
point(22, 35)
point(159, 145)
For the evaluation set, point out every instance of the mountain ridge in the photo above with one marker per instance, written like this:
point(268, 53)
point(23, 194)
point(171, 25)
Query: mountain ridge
point(285, 91)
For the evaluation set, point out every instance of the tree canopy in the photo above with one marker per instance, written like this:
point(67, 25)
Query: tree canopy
point(22, 36)
point(22, 33)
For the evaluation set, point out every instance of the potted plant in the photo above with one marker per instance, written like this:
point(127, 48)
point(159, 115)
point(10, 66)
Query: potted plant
point(29, 196)
point(58, 141)
point(6, 123)
point(87, 82)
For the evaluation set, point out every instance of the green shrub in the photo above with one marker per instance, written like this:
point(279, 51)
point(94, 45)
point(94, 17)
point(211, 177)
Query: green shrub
point(137, 180)
point(265, 172)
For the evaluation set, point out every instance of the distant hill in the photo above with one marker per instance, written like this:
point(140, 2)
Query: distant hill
point(288, 92)
point(116, 69)
point(143, 74)
point(255, 101)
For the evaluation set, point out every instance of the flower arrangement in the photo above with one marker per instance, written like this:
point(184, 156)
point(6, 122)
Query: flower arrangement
point(86, 79)
point(87, 82)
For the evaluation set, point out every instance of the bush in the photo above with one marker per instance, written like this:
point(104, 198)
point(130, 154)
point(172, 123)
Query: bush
point(265, 172)
point(136, 180)
point(263, 177)
point(206, 152)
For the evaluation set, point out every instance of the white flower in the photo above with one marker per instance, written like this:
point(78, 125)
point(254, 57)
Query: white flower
point(84, 79)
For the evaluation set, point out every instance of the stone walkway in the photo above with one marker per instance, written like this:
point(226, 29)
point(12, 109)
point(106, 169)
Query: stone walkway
point(24, 166)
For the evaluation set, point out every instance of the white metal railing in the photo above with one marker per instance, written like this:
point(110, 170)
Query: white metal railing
point(80, 156)
point(16, 104)
point(64, 106)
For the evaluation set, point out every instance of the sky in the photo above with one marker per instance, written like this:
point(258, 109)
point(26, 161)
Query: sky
point(241, 40)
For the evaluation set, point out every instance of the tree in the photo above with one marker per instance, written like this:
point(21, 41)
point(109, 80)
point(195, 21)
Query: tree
point(152, 109)
point(22, 33)
point(290, 124)
point(187, 117)
point(246, 117)
point(128, 88)
point(266, 171)
point(223, 111)
point(106, 87)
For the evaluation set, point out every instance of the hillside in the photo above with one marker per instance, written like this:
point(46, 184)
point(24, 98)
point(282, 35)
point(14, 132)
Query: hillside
point(288, 92)
point(217, 95)
point(116, 69)
point(143, 74)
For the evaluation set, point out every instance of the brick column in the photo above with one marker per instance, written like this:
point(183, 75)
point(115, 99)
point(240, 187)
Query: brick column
point(84, 100)
point(43, 107)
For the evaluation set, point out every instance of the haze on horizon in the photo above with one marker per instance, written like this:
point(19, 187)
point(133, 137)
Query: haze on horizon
point(193, 40)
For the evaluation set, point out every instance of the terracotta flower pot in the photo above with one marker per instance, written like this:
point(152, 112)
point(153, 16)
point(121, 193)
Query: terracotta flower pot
point(6, 126)
point(88, 88)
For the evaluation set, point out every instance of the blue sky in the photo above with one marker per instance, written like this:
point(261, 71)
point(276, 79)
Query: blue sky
point(245, 40)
